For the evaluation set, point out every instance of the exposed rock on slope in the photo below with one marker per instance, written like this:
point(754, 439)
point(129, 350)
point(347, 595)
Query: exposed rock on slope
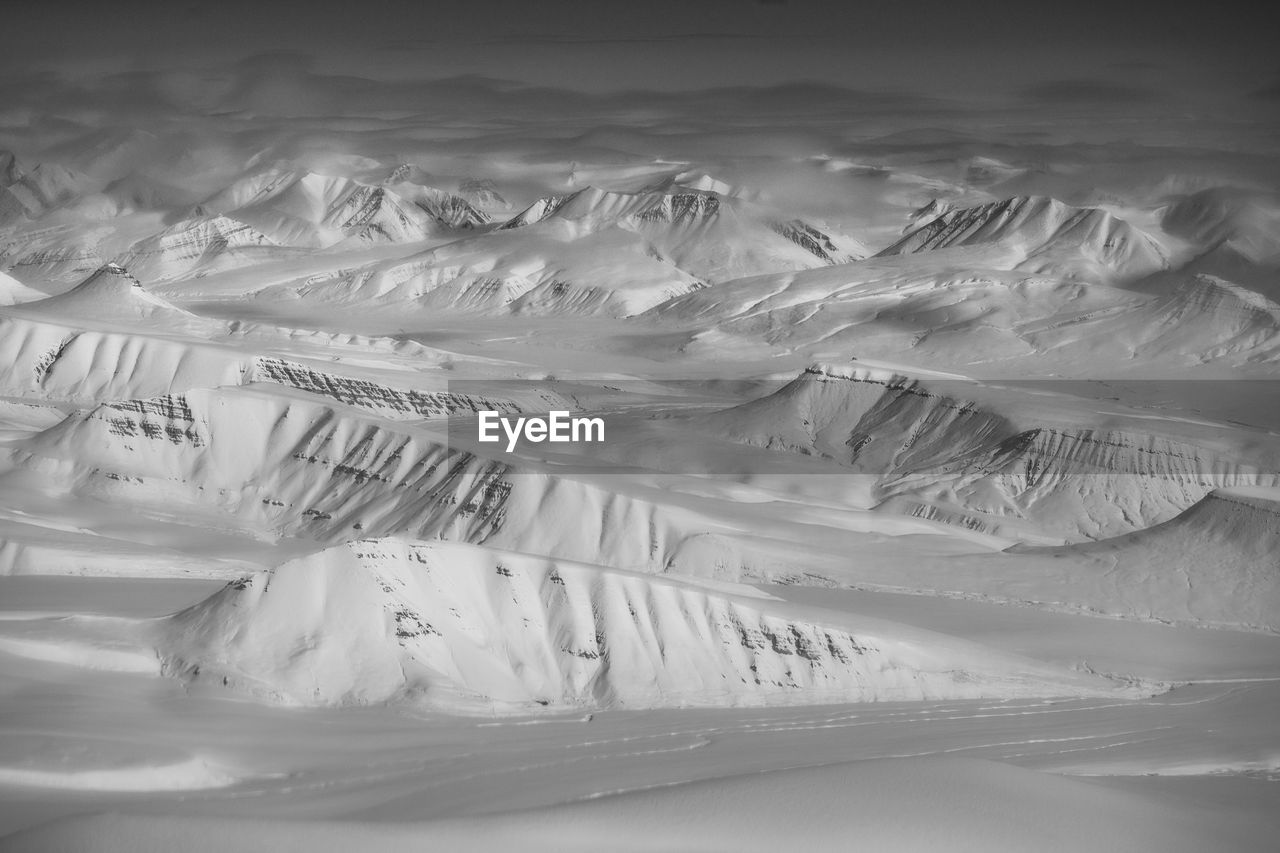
point(934, 452)
point(458, 626)
point(956, 307)
point(1043, 236)
point(55, 361)
point(449, 211)
point(610, 273)
point(707, 234)
point(302, 209)
point(64, 362)
point(112, 293)
point(275, 466)
point(391, 402)
point(195, 246)
point(57, 256)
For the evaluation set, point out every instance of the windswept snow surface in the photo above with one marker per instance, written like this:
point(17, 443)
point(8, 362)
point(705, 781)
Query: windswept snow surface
point(936, 507)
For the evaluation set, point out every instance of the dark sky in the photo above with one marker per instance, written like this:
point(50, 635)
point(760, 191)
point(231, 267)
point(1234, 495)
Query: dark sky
point(973, 47)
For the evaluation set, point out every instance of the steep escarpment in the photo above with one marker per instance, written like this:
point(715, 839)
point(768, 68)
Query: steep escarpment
point(874, 419)
point(388, 401)
point(1080, 483)
point(61, 361)
point(456, 626)
point(946, 450)
point(287, 467)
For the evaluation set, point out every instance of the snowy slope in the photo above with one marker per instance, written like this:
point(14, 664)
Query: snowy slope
point(56, 255)
point(951, 307)
point(1043, 236)
point(703, 232)
point(14, 292)
point(449, 210)
point(608, 273)
point(454, 625)
point(32, 194)
point(294, 207)
point(277, 465)
point(1200, 319)
point(196, 246)
point(1217, 563)
point(1243, 221)
point(113, 294)
point(938, 451)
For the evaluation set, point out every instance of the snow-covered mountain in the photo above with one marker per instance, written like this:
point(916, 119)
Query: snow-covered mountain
point(1044, 236)
point(299, 208)
point(456, 626)
point(936, 453)
point(1216, 563)
point(275, 465)
point(242, 365)
point(610, 273)
point(705, 232)
point(33, 193)
point(199, 246)
point(1247, 222)
point(112, 294)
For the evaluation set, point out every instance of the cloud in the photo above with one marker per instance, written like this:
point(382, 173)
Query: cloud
point(1085, 91)
point(1267, 93)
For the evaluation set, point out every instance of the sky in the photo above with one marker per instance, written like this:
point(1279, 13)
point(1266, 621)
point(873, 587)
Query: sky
point(212, 85)
point(967, 48)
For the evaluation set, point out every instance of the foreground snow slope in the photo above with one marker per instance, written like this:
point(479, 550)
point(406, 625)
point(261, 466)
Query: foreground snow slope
point(915, 805)
point(456, 625)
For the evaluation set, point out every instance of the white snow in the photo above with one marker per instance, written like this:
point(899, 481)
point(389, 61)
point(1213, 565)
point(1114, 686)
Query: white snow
point(937, 507)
